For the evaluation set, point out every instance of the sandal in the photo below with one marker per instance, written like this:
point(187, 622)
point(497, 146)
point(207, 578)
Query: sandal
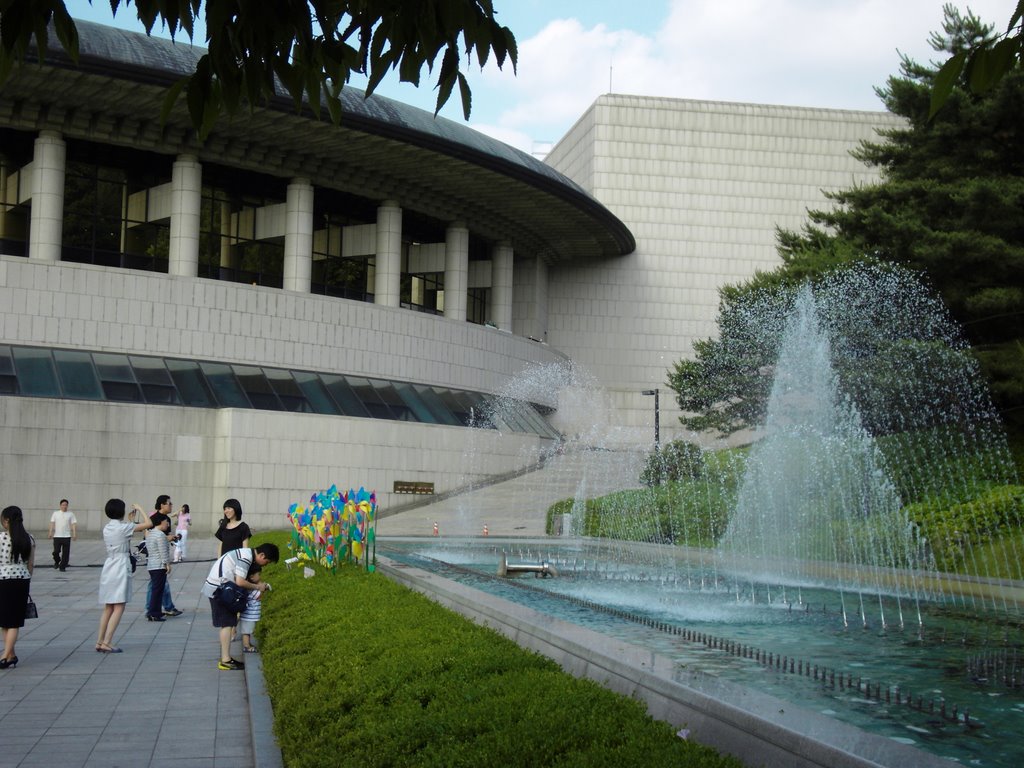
point(250, 649)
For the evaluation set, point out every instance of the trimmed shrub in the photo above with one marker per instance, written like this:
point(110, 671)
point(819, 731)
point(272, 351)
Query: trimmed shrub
point(953, 529)
point(674, 461)
point(364, 672)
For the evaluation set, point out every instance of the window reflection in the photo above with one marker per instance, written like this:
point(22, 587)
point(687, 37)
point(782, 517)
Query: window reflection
point(82, 375)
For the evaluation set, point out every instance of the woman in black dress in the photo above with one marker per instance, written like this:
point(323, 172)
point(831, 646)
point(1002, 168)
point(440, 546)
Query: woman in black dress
point(232, 533)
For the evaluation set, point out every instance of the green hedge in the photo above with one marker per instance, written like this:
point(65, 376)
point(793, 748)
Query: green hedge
point(674, 461)
point(692, 512)
point(953, 530)
point(363, 672)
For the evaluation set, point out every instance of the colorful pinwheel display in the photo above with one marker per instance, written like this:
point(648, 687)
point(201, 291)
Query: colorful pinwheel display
point(335, 527)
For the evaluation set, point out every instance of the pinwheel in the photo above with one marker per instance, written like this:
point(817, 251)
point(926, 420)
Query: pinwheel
point(334, 527)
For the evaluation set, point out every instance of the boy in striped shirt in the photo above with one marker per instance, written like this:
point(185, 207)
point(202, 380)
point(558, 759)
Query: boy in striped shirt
point(251, 614)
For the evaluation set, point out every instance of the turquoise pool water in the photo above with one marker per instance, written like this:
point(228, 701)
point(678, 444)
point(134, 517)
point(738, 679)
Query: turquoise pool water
point(913, 683)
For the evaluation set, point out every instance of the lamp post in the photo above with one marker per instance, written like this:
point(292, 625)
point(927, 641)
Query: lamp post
point(657, 414)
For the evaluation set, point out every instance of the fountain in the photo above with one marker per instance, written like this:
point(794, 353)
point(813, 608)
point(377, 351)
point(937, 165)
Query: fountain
point(876, 414)
point(870, 567)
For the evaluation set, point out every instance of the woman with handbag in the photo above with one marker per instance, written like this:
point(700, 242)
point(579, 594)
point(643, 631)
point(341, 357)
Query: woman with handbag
point(116, 577)
point(226, 586)
point(17, 558)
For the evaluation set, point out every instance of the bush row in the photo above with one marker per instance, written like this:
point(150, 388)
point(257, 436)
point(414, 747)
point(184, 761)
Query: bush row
point(953, 530)
point(364, 672)
point(957, 493)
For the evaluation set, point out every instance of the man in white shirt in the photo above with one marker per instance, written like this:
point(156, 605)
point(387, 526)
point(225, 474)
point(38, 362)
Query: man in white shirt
point(63, 528)
point(234, 566)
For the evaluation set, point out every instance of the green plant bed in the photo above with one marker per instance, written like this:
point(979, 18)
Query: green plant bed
point(364, 672)
point(1000, 558)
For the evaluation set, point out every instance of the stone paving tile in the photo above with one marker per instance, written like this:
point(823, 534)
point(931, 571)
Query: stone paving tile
point(66, 705)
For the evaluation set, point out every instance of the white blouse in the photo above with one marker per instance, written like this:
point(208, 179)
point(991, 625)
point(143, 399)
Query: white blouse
point(8, 569)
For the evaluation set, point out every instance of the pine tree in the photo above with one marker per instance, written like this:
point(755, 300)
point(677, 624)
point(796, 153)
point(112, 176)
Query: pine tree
point(949, 204)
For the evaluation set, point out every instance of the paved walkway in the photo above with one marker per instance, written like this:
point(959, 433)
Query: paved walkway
point(162, 702)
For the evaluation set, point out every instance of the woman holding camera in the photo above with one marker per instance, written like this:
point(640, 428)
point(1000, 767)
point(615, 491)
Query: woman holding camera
point(116, 577)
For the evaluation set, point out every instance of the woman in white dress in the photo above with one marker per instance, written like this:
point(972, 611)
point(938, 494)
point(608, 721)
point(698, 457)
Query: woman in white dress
point(116, 578)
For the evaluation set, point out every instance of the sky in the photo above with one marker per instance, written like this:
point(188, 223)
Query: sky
point(813, 53)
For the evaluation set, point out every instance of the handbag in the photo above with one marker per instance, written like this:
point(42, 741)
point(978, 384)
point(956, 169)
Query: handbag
point(31, 612)
point(134, 561)
point(232, 596)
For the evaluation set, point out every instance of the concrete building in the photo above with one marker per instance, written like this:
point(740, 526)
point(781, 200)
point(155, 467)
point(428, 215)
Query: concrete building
point(290, 304)
point(702, 186)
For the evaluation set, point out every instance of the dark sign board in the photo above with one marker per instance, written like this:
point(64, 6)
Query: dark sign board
point(405, 486)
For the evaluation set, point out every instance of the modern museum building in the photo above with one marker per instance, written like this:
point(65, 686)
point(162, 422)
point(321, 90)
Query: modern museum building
point(292, 303)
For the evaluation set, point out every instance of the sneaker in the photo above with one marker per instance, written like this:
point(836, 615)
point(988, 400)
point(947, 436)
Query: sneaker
point(173, 612)
point(230, 664)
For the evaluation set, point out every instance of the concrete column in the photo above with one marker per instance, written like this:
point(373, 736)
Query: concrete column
point(456, 270)
point(186, 201)
point(531, 299)
point(47, 215)
point(388, 275)
point(298, 236)
point(500, 310)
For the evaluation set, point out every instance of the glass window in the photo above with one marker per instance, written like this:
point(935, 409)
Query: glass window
point(36, 375)
point(77, 375)
point(459, 409)
point(368, 397)
point(412, 399)
point(257, 388)
point(343, 395)
point(508, 410)
point(191, 384)
point(316, 393)
point(385, 390)
point(538, 422)
point(287, 390)
point(137, 378)
point(8, 381)
point(117, 377)
point(156, 383)
point(529, 418)
point(497, 419)
point(224, 385)
point(437, 407)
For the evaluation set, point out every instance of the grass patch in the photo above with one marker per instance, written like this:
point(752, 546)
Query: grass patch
point(364, 672)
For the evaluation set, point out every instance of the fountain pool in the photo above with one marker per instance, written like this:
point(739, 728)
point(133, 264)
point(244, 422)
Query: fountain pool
point(866, 556)
point(952, 686)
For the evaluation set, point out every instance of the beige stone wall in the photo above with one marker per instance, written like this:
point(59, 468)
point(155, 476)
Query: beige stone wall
point(702, 186)
point(90, 451)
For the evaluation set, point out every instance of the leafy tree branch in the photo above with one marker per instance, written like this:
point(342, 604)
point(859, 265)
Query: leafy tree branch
point(310, 47)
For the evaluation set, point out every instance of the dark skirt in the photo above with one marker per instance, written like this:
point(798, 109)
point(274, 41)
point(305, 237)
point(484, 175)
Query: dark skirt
point(13, 599)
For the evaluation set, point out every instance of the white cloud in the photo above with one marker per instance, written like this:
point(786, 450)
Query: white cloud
point(512, 137)
point(828, 53)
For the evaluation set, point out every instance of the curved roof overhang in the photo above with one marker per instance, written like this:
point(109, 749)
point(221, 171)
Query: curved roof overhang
point(382, 149)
